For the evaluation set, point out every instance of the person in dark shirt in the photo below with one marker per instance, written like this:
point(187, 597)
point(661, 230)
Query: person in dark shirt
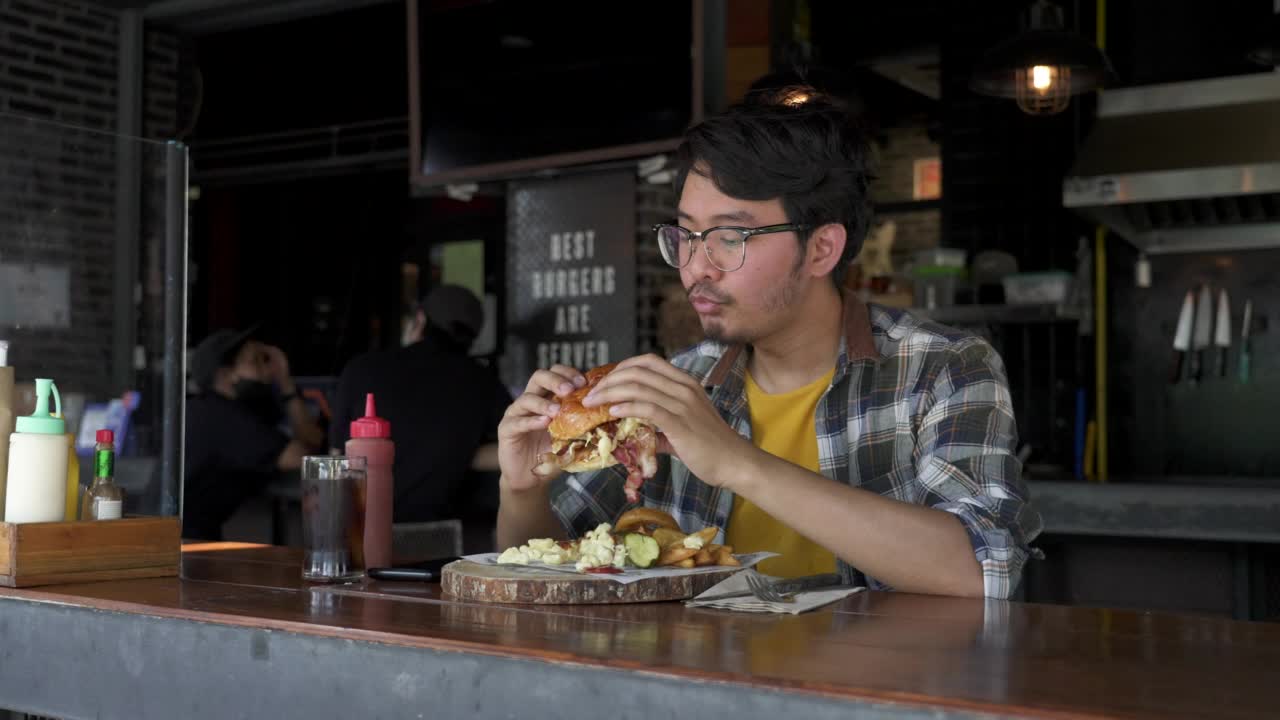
point(234, 445)
point(444, 410)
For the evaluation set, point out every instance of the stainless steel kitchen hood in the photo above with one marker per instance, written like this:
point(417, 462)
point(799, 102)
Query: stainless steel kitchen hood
point(1185, 167)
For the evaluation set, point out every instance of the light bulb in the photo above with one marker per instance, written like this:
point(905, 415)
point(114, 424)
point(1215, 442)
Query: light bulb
point(1041, 77)
point(796, 98)
point(1043, 89)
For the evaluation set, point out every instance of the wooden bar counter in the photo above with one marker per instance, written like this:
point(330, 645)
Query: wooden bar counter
point(239, 635)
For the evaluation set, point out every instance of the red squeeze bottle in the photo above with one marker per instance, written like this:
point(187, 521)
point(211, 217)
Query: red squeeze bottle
point(371, 439)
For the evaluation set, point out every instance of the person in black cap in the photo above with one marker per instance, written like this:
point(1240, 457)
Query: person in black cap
point(444, 410)
point(234, 445)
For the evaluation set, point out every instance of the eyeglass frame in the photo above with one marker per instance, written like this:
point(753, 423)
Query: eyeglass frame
point(747, 234)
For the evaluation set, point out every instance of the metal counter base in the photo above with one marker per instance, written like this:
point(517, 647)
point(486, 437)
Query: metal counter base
point(240, 635)
point(72, 662)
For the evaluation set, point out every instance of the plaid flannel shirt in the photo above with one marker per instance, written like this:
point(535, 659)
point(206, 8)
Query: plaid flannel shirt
point(916, 411)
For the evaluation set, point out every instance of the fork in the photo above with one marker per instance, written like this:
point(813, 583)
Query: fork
point(764, 591)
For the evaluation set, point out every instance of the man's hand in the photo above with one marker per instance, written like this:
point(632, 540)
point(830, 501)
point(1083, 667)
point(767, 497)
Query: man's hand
point(653, 389)
point(524, 510)
point(522, 434)
point(278, 368)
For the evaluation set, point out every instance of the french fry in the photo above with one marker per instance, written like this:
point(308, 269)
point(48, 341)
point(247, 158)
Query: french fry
point(712, 548)
point(674, 555)
point(728, 548)
point(667, 537)
point(685, 563)
point(703, 557)
point(724, 557)
point(707, 534)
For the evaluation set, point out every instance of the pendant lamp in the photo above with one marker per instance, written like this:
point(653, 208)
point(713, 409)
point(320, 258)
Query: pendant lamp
point(1042, 66)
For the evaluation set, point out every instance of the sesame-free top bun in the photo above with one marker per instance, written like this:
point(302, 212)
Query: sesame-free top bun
point(574, 420)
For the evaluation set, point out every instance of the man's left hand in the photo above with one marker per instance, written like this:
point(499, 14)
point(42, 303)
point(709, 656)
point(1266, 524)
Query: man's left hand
point(650, 388)
point(278, 368)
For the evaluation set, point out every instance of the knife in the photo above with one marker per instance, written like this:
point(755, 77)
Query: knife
point(1222, 332)
point(809, 582)
point(1202, 333)
point(1182, 337)
point(1245, 327)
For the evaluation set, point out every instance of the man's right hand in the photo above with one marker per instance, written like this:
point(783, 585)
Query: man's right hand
point(522, 434)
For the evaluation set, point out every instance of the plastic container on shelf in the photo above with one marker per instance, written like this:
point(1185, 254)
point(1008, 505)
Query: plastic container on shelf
point(1037, 288)
point(935, 286)
point(992, 266)
point(941, 257)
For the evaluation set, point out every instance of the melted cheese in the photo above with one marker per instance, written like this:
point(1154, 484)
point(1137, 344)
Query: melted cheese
point(627, 426)
point(600, 442)
point(604, 443)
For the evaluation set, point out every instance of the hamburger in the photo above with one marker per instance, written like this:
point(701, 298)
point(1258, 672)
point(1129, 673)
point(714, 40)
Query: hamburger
point(589, 438)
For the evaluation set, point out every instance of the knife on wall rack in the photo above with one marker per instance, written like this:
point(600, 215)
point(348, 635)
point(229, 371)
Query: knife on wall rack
point(1182, 337)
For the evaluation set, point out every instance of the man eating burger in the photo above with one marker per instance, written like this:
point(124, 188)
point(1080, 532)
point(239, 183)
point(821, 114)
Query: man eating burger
point(848, 437)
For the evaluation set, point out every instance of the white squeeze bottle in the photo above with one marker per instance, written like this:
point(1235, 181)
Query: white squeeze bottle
point(6, 415)
point(37, 486)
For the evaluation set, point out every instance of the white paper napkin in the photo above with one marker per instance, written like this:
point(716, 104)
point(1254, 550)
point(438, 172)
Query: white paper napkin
point(804, 602)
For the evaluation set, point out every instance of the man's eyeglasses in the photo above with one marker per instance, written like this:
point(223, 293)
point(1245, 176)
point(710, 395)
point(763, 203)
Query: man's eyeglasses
point(726, 247)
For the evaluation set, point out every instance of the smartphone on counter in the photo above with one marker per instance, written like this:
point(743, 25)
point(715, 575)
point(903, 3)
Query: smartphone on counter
point(425, 571)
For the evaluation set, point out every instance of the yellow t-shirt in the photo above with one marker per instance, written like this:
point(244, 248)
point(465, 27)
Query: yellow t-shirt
point(781, 425)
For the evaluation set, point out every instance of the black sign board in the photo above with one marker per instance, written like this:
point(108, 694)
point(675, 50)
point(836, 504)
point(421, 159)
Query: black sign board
point(571, 272)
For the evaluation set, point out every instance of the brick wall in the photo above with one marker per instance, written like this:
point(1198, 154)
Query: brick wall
point(895, 161)
point(159, 122)
point(56, 200)
point(655, 203)
point(894, 183)
point(58, 65)
point(160, 85)
point(59, 61)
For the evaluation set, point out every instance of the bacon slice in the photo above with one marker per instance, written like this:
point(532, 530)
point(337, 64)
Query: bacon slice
point(639, 454)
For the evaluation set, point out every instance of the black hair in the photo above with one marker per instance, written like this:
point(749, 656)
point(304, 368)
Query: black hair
point(794, 144)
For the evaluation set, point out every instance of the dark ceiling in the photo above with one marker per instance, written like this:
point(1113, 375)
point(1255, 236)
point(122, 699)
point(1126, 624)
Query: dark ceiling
point(201, 17)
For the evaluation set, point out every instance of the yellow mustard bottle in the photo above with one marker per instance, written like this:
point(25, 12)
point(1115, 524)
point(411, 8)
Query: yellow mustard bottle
point(72, 508)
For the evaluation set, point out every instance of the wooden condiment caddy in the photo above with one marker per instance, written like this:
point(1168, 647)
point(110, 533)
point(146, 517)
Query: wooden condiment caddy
point(70, 552)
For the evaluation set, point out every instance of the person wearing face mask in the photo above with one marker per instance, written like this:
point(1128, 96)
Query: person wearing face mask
point(234, 444)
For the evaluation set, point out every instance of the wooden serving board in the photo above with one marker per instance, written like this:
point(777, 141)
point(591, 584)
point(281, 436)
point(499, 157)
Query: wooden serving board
point(467, 580)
